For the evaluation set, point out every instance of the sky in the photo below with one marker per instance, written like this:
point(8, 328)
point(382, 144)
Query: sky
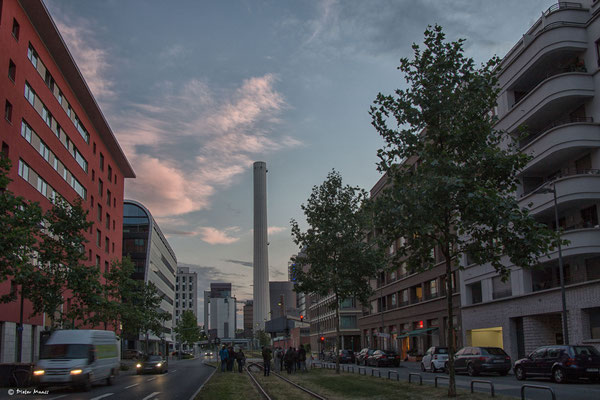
point(196, 91)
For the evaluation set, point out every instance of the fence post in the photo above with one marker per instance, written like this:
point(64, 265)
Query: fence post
point(537, 387)
point(486, 382)
point(440, 377)
point(410, 375)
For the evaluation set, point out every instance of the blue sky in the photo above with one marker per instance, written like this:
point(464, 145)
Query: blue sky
point(196, 91)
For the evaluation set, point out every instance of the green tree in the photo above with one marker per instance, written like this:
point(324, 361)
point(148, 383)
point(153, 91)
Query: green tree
point(451, 175)
point(263, 338)
point(187, 329)
point(334, 246)
point(152, 317)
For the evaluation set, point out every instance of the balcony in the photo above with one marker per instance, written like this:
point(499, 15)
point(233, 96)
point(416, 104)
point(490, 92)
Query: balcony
point(572, 191)
point(583, 241)
point(549, 98)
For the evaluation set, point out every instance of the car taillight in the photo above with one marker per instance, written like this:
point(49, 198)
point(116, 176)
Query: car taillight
point(570, 361)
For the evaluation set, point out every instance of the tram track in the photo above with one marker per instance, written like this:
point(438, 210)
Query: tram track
point(264, 393)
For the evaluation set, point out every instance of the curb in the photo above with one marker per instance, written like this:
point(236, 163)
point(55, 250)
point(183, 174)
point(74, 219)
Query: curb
point(201, 386)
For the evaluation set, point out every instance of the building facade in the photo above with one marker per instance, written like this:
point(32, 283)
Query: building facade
point(186, 293)
point(321, 317)
point(407, 312)
point(548, 82)
point(155, 262)
point(283, 299)
point(220, 312)
point(60, 145)
point(247, 310)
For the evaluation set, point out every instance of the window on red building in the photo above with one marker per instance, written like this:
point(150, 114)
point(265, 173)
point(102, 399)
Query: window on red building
point(12, 70)
point(8, 111)
point(15, 29)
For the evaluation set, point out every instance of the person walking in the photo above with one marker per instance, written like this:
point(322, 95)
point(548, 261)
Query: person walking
point(302, 359)
point(266, 354)
point(241, 359)
point(230, 359)
point(223, 355)
point(289, 359)
point(281, 356)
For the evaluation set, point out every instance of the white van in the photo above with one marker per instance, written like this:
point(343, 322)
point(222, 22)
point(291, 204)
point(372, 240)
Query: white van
point(78, 358)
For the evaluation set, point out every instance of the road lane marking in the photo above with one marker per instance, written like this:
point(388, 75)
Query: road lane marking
point(103, 396)
point(150, 396)
point(130, 386)
point(151, 379)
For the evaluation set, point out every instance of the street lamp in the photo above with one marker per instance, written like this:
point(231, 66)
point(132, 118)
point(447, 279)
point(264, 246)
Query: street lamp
point(545, 189)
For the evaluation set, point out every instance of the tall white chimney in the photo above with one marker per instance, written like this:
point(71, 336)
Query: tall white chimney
point(261, 252)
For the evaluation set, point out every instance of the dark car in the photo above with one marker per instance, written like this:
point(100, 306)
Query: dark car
point(346, 356)
point(561, 363)
point(475, 360)
point(361, 357)
point(383, 358)
point(152, 364)
point(132, 354)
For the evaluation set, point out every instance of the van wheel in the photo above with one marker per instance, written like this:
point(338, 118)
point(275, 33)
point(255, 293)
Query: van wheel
point(111, 378)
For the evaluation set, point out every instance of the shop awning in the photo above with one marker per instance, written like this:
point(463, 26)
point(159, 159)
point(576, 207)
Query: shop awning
point(417, 332)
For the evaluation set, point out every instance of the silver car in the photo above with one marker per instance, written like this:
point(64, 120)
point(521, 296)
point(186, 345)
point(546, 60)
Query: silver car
point(434, 359)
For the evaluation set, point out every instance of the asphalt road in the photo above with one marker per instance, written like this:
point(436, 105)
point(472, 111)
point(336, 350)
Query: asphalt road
point(505, 385)
point(181, 382)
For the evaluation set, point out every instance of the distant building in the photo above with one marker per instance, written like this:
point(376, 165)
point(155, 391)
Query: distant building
point(283, 299)
point(248, 330)
point(186, 293)
point(60, 146)
point(220, 314)
point(154, 261)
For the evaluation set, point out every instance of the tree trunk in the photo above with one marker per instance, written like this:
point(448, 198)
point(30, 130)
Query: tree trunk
point(450, 327)
point(338, 339)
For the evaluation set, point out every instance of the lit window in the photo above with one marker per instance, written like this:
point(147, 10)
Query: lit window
point(23, 170)
point(32, 55)
point(29, 94)
point(46, 116)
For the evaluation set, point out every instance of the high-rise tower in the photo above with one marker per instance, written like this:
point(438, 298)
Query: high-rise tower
point(261, 253)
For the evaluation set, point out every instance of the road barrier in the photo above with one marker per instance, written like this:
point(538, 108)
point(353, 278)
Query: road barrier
point(373, 370)
point(394, 372)
point(474, 381)
point(363, 369)
point(410, 375)
point(440, 377)
point(537, 387)
point(350, 367)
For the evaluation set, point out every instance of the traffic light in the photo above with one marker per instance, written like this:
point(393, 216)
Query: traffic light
point(322, 339)
point(301, 318)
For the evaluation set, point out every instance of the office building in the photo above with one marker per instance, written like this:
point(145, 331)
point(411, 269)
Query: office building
point(248, 331)
point(220, 313)
point(186, 293)
point(60, 145)
point(548, 85)
point(155, 262)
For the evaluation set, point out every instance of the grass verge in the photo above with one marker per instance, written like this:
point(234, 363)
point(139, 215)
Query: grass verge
point(228, 386)
point(354, 386)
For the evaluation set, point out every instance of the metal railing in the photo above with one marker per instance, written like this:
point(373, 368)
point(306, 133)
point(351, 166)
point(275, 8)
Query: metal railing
point(548, 388)
point(373, 370)
point(473, 382)
point(435, 381)
point(563, 5)
point(553, 124)
point(410, 375)
point(394, 372)
point(363, 369)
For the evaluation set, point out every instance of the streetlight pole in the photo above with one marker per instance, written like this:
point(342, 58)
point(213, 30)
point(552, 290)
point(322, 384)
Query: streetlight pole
point(565, 326)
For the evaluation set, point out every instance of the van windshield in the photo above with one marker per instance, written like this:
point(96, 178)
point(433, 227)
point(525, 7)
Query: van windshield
point(65, 351)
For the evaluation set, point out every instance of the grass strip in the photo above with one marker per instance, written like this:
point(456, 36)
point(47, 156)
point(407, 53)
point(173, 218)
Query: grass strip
point(279, 389)
point(228, 386)
point(353, 386)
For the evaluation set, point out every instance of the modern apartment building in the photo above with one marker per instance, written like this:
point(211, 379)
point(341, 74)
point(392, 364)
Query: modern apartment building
point(155, 262)
point(220, 312)
point(407, 312)
point(186, 293)
point(549, 81)
point(60, 145)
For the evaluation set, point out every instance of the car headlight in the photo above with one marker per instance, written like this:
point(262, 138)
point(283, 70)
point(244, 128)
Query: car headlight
point(138, 365)
point(158, 365)
point(39, 372)
point(76, 371)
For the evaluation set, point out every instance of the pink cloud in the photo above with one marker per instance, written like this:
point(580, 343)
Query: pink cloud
point(273, 230)
point(214, 236)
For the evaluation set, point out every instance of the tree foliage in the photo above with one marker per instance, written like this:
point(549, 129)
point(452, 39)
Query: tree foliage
point(451, 175)
point(334, 246)
point(187, 329)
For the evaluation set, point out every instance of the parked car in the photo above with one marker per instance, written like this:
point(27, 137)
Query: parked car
point(77, 358)
point(361, 357)
point(434, 359)
point(346, 356)
point(475, 360)
point(329, 356)
point(152, 364)
point(383, 358)
point(132, 354)
point(561, 363)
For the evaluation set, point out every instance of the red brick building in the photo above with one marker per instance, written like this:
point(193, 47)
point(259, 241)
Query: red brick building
point(59, 143)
